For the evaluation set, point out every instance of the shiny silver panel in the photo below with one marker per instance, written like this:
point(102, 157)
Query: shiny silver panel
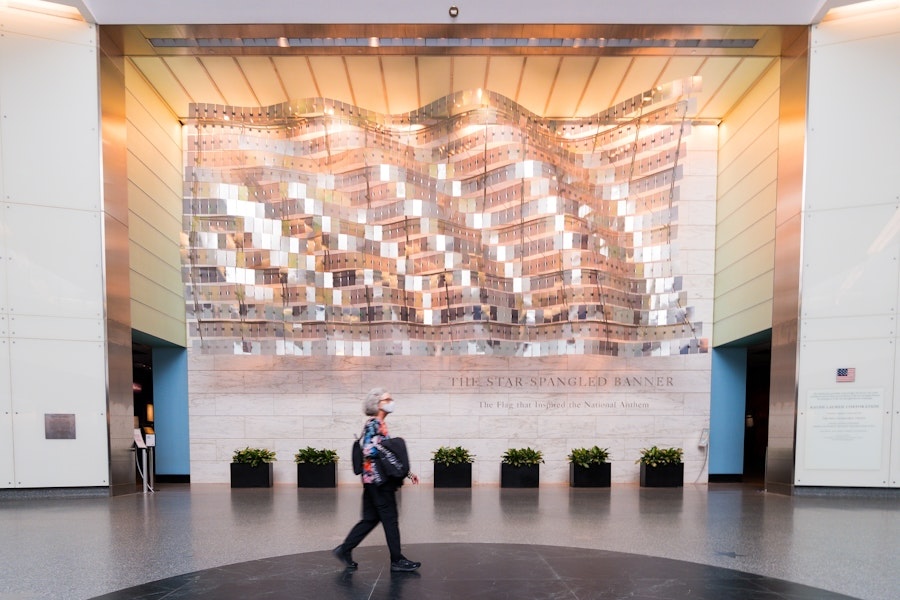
point(120, 400)
point(468, 227)
point(786, 300)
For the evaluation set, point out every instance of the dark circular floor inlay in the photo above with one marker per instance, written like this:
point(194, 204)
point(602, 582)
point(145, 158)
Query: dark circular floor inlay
point(474, 571)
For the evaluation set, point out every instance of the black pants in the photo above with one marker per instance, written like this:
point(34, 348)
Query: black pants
point(379, 505)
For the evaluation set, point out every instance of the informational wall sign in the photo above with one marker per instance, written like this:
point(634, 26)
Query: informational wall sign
point(844, 429)
point(59, 427)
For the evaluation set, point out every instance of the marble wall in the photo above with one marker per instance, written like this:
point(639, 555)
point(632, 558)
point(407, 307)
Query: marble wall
point(486, 404)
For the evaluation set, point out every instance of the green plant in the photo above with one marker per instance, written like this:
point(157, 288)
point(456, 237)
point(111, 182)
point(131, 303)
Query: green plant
point(585, 457)
point(660, 457)
point(315, 456)
point(253, 456)
point(446, 455)
point(523, 457)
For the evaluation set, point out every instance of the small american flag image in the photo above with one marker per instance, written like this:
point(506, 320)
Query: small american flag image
point(846, 375)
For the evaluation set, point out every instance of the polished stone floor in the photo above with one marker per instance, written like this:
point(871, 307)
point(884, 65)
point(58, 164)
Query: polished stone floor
point(209, 541)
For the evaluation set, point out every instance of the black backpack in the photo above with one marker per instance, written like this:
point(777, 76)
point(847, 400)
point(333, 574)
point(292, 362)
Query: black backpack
point(357, 457)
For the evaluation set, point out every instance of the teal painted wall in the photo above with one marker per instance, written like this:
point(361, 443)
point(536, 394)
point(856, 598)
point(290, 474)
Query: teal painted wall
point(170, 406)
point(726, 414)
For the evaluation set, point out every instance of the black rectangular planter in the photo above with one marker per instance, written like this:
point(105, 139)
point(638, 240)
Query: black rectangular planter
point(520, 477)
point(244, 475)
point(592, 476)
point(452, 476)
point(663, 476)
point(316, 476)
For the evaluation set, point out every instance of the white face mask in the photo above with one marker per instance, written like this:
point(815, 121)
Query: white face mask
point(388, 407)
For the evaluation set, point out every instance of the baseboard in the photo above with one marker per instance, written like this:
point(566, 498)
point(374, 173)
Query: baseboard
point(726, 478)
point(172, 478)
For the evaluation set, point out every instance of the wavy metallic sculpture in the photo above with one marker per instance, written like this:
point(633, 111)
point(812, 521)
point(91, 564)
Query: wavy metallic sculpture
point(469, 226)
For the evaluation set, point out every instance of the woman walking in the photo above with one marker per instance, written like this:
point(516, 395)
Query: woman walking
point(379, 504)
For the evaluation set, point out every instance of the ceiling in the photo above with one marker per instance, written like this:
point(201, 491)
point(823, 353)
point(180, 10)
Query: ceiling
point(681, 12)
point(406, 56)
point(553, 71)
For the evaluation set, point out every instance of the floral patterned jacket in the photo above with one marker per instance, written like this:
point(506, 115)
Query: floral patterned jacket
point(374, 431)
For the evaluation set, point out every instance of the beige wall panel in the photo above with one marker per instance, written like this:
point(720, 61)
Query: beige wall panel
point(152, 173)
point(154, 203)
point(297, 78)
point(573, 75)
point(434, 78)
point(747, 69)
point(175, 96)
point(746, 179)
point(149, 320)
point(745, 213)
point(230, 80)
point(196, 80)
point(750, 211)
point(605, 80)
point(159, 138)
point(740, 186)
point(155, 197)
point(753, 292)
point(750, 134)
point(755, 264)
point(154, 310)
point(155, 214)
point(403, 93)
point(734, 327)
point(755, 236)
point(745, 187)
point(331, 76)
point(504, 73)
point(766, 87)
point(680, 67)
point(635, 81)
point(260, 73)
point(144, 104)
point(537, 82)
point(366, 82)
point(715, 72)
point(166, 274)
point(469, 72)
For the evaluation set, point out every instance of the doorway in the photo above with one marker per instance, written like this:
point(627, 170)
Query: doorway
point(756, 425)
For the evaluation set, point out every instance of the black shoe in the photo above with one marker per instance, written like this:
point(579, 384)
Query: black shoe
point(345, 557)
point(404, 566)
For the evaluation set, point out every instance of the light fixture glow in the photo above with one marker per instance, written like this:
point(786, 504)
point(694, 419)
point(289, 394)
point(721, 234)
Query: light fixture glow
point(53, 9)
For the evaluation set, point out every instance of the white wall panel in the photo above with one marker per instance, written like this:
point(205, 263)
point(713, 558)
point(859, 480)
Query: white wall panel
point(841, 441)
point(895, 427)
point(7, 462)
point(4, 254)
point(844, 271)
point(55, 261)
point(55, 105)
point(52, 354)
point(851, 257)
point(874, 327)
point(52, 327)
point(59, 377)
point(836, 77)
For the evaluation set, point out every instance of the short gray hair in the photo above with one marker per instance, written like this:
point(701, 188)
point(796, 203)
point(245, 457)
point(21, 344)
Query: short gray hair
point(370, 404)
